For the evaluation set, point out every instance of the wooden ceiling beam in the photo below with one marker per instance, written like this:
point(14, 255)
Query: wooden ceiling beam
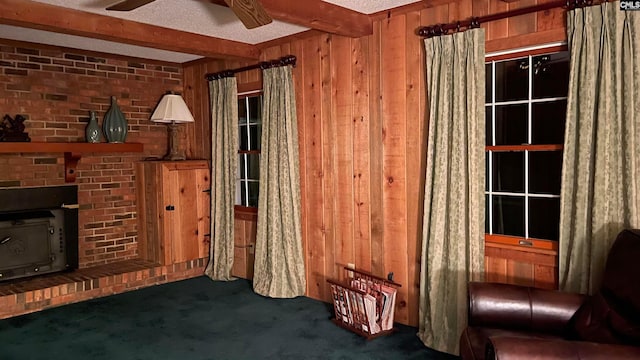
point(318, 15)
point(58, 19)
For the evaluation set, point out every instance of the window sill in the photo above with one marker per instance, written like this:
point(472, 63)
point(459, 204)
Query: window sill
point(245, 213)
point(547, 246)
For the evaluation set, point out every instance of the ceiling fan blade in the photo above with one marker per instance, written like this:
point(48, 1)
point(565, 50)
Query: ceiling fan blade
point(129, 5)
point(250, 12)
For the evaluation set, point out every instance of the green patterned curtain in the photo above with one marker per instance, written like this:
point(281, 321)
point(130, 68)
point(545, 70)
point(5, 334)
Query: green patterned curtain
point(223, 95)
point(600, 186)
point(453, 224)
point(279, 263)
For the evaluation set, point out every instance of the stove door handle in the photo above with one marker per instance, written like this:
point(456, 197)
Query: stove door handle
point(5, 240)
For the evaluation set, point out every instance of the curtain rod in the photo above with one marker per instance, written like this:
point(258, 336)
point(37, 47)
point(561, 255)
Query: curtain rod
point(474, 22)
point(283, 61)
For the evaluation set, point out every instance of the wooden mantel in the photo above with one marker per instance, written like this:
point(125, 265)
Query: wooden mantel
point(72, 151)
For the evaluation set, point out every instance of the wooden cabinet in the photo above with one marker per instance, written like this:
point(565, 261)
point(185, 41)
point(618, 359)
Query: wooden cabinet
point(173, 210)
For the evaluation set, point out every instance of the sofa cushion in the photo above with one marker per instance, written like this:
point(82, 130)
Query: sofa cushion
point(474, 340)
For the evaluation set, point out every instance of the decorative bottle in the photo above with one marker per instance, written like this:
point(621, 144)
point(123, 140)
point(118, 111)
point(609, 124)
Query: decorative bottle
point(114, 125)
point(92, 131)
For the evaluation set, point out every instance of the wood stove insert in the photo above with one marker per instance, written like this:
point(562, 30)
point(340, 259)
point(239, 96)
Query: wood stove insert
point(38, 231)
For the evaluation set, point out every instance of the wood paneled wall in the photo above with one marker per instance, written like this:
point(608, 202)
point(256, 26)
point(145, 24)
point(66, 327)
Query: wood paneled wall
point(362, 123)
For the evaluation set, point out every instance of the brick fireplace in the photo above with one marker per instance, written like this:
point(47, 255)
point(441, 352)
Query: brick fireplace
point(55, 88)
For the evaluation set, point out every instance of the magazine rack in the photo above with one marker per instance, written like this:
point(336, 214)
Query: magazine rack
point(364, 303)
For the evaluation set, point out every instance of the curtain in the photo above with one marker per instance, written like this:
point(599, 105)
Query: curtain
point(599, 194)
point(223, 94)
point(453, 223)
point(279, 263)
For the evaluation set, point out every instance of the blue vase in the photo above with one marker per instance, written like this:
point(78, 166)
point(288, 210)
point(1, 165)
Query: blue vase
point(92, 131)
point(114, 125)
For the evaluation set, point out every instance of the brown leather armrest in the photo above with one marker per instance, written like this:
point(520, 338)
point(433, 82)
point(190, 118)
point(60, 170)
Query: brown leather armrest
point(507, 348)
point(521, 308)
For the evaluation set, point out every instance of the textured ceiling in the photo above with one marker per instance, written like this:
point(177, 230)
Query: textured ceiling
point(196, 16)
point(370, 6)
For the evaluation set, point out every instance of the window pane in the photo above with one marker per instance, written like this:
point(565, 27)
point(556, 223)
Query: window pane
point(508, 171)
point(548, 121)
point(238, 192)
point(486, 214)
point(508, 215)
point(242, 167)
point(545, 171)
point(254, 133)
point(551, 75)
point(487, 72)
point(242, 111)
point(243, 193)
point(254, 188)
point(243, 138)
point(253, 166)
point(255, 109)
point(512, 80)
point(544, 218)
point(511, 124)
point(487, 119)
point(486, 168)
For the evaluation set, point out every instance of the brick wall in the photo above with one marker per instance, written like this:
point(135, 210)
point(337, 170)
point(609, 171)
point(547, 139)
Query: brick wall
point(54, 88)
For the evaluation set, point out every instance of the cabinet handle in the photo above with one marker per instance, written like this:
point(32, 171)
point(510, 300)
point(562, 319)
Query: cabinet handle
point(207, 190)
point(170, 208)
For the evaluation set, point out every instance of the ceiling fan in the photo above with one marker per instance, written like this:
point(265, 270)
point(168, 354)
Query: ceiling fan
point(250, 12)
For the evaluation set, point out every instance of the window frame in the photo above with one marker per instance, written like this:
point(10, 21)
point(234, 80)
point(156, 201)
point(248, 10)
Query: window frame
point(243, 95)
point(520, 241)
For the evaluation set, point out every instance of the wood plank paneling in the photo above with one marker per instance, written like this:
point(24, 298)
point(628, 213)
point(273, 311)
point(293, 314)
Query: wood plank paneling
point(523, 24)
point(244, 240)
point(361, 151)
point(328, 131)
point(343, 166)
point(414, 171)
point(394, 156)
point(362, 124)
point(313, 194)
point(519, 265)
point(376, 138)
point(299, 80)
point(497, 29)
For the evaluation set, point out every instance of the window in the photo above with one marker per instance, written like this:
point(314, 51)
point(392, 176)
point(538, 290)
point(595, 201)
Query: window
point(526, 101)
point(249, 133)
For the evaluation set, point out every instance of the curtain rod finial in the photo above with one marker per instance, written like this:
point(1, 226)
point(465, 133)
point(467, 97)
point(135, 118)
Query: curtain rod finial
point(289, 60)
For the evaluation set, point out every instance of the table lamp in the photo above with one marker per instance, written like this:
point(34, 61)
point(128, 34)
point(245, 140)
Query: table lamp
point(172, 110)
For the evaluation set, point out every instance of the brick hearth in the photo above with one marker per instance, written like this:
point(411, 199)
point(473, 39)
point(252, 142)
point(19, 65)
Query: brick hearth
point(19, 297)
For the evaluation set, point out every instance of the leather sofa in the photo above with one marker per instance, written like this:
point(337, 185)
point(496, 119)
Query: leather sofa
point(517, 322)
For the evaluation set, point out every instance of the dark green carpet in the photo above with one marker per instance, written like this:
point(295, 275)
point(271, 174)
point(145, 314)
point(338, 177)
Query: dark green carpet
point(197, 319)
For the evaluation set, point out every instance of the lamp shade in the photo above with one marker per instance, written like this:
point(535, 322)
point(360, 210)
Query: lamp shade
point(172, 109)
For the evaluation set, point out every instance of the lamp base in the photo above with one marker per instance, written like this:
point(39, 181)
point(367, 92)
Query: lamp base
point(171, 157)
point(175, 153)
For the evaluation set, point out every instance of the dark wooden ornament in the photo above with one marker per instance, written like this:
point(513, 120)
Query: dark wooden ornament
point(12, 130)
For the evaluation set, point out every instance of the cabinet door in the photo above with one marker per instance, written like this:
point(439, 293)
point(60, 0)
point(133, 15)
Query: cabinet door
point(187, 216)
point(203, 210)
